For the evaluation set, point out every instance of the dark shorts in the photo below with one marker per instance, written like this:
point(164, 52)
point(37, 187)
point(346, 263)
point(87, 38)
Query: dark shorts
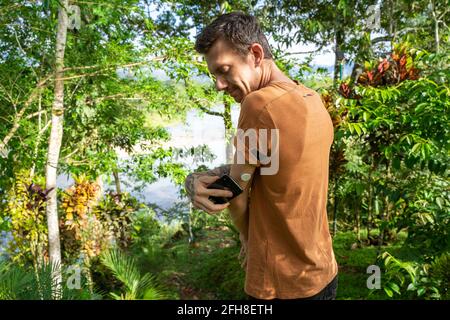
point(327, 293)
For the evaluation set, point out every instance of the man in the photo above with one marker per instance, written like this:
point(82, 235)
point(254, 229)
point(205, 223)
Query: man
point(281, 215)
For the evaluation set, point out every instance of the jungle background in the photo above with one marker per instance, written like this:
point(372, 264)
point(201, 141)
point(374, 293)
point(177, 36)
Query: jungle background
point(105, 108)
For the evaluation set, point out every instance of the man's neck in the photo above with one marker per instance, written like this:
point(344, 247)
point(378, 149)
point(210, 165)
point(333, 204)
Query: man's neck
point(271, 73)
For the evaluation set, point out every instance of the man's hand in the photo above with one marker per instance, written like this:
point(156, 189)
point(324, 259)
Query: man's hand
point(200, 194)
point(196, 184)
point(243, 253)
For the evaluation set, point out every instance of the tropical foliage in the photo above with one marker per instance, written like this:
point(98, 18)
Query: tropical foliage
point(89, 106)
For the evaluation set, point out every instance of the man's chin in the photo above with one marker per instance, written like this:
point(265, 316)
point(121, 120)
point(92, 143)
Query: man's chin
point(238, 99)
point(238, 96)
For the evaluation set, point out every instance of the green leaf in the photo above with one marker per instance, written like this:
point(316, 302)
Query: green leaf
point(414, 148)
point(388, 152)
point(409, 62)
point(425, 151)
point(411, 287)
point(421, 106)
point(357, 128)
point(350, 127)
point(377, 206)
point(388, 292)
point(395, 288)
point(420, 291)
point(366, 116)
point(439, 201)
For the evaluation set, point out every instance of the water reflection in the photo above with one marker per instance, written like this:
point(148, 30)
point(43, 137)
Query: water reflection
point(196, 131)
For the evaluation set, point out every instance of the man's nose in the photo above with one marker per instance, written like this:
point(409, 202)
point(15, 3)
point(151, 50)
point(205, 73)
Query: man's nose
point(221, 84)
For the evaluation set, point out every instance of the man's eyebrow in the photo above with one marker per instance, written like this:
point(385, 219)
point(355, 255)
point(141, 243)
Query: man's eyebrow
point(214, 70)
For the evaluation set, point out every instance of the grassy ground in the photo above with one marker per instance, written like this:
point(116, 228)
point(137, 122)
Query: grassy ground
point(209, 269)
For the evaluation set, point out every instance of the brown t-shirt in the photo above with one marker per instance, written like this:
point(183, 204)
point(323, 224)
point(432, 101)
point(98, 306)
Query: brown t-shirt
point(290, 253)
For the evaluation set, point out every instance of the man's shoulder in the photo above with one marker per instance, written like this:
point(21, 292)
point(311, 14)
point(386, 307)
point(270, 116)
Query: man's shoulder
point(256, 101)
point(253, 108)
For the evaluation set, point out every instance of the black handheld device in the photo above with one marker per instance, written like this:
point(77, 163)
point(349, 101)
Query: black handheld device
point(225, 183)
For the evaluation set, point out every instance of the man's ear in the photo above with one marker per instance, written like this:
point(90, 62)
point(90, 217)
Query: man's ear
point(258, 53)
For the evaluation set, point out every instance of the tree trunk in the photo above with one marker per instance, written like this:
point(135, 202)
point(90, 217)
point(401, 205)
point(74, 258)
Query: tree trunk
point(391, 24)
point(54, 148)
point(436, 35)
point(117, 181)
point(357, 218)
point(100, 190)
point(436, 25)
point(338, 55)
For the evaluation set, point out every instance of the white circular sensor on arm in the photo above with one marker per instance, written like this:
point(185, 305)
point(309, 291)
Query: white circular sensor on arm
point(246, 177)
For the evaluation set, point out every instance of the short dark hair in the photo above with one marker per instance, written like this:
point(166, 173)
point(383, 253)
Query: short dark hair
point(238, 28)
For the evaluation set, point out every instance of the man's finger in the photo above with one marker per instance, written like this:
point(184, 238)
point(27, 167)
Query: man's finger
point(200, 206)
point(242, 258)
point(208, 209)
point(241, 253)
point(208, 179)
point(244, 263)
point(211, 207)
point(214, 192)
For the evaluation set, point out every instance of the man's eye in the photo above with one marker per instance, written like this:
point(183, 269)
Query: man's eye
point(223, 70)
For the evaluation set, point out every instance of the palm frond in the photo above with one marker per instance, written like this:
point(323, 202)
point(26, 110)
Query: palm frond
point(125, 270)
point(40, 283)
point(14, 281)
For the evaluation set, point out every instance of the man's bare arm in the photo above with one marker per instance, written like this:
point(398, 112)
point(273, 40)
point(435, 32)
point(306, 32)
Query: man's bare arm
point(190, 180)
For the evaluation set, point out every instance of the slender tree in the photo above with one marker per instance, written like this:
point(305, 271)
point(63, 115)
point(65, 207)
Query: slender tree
point(55, 143)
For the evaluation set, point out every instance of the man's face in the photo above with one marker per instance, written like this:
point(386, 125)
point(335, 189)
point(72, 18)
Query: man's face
point(233, 73)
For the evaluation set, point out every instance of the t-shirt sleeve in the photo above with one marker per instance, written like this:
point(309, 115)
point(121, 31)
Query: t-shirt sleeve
point(256, 135)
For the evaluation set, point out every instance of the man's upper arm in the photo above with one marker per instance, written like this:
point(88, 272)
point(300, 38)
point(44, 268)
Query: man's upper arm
point(252, 118)
point(243, 174)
